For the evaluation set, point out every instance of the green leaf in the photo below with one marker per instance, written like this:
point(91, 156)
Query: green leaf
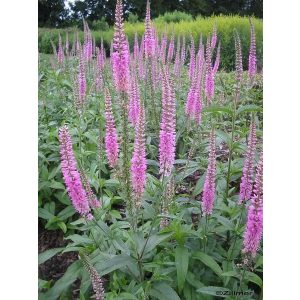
point(213, 290)
point(62, 226)
point(249, 108)
point(64, 282)
point(44, 214)
point(162, 291)
point(115, 214)
point(226, 223)
point(78, 239)
point(155, 240)
point(199, 185)
point(185, 173)
point(54, 172)
point(208, 261)
point(48, 254)
point(249, 276)
point(194, 281)
point(67, 212)
point(109, 265)
point(182, 263)
point(215, 108)
point(57, 185)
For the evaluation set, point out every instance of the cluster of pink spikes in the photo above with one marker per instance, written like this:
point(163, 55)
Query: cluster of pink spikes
point(127, 72)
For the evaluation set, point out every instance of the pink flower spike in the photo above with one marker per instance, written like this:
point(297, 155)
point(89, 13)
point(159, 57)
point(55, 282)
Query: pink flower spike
point(60, 52)
point(254, 226)
point(217, 61)
point(120, 54)
point(149, 41)
point(247, 178)
point(134, 102)
point(214, 37)
point(209, 189)
point(167, 126)
point(138, 162)
point(209, 78)
point(252, 53)
point(70, 173)
point(111, 138)
point(192, 59)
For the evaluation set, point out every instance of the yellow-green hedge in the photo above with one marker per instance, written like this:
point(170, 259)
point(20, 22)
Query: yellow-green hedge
point(225, 24)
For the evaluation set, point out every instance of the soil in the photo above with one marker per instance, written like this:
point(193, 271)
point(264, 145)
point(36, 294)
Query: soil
point(55, 267)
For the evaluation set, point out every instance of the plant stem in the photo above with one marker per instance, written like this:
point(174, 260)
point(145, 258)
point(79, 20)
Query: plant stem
point(100, 153)
point(126, 162)
point(235, 238)
point(230, 149)
point(205, 229)
point(140, 256)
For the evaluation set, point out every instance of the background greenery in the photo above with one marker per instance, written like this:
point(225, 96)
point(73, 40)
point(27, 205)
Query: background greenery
point(179, 23)
point(54, 13)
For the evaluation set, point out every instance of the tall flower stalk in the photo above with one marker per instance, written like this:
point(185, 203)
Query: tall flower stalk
point(254, 226)
point(247, 178)
point(252, 53)
point(111, 137)
point(60, 52)
point(192, 59)
point(81, 82)
point(120, 53)
point(209, 189)
point(167, 126)
point(70, 173)
point(239, 74)
point(96, 280)
point(214, 37)
point(138, 161)
point(134, 102)
point(238, 64)
point(92, 199)
point(209, 76)
point(149, 42)
point(217, 61)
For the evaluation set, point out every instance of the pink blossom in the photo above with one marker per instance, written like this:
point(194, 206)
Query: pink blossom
point(111, 138)
point(171, 49)
point(209, 189)
point(214, 37)
point(81, 81)
point(134, 102)
point(70, 173)
point(138, 162)
point(254, 226)
point(60, 52)
point(252, 53)
point(120, 54)
point(167, 127)
point(209, 77)
point(247, 178)
point(192, 59)
point(217, 61)
point(148, 39)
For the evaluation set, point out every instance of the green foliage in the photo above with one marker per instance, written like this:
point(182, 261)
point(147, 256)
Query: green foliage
point(226, 25)
point(132, 18)
point(99, 25)
point(174, 17)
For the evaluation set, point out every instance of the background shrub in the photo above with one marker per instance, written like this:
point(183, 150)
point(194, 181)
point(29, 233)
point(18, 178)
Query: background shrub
point(133, 18)
point(226, 26)
point(174, 17)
